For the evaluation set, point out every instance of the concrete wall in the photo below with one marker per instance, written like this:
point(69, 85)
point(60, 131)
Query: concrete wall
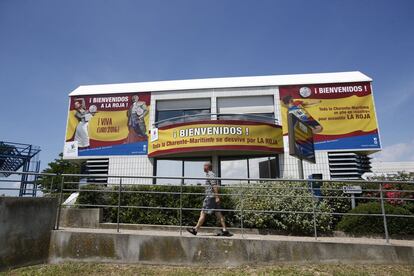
point(80, 218)
point(157, 248)
point(25, 229)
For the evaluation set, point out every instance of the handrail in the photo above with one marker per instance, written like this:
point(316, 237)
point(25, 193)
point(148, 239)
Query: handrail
point(155, 124)
point(29, 173)
point(240, 179)
point(215, 178)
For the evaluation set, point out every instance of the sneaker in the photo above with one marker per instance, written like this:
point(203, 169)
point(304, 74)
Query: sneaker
point(192, 231)
point(224, 233)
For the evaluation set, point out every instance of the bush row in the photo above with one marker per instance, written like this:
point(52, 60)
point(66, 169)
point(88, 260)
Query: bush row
point(281, 206)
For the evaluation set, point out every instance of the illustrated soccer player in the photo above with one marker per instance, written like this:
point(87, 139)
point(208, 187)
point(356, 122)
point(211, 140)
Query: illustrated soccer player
point(298, 108)
point(211, 203)
point(136, 121)
point(84, 116)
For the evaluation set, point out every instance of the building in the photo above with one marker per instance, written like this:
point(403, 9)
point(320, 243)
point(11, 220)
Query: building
point(380, 168)
point(170, 128)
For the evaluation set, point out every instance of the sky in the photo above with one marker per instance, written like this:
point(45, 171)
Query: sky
point(48, 48)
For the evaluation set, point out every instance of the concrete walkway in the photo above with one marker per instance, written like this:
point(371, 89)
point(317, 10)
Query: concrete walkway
point(248, 236)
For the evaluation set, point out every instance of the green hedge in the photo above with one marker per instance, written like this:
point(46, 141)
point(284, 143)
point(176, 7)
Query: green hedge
point(279, 197)
point(363, 225)
point(293, 198)
point(192, 198)
point(336, 199)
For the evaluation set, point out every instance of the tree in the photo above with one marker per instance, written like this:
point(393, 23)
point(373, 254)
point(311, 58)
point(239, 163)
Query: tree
point(51, 184)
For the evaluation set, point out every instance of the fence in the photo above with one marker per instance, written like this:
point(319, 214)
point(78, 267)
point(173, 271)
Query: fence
point(306, 206)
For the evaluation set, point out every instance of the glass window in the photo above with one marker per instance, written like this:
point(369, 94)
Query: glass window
point(245, 104)
point(259, 167)
point(230, 167)
point(183, 104)
point(168, 168)
point(258, 117)
point(233, 168)
point(264, 167)
point(194, 168)
point(167, 117)
point(176, 167)
point(201, 115)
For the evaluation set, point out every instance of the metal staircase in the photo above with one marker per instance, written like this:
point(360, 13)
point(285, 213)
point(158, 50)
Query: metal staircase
point(24, 157)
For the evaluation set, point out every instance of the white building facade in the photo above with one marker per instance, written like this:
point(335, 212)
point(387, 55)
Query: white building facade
point(342, 146)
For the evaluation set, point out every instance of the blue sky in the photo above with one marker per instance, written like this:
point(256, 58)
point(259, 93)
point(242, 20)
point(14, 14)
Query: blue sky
point(48, 48)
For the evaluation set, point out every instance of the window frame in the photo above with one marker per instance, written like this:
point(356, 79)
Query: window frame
point(183, 160)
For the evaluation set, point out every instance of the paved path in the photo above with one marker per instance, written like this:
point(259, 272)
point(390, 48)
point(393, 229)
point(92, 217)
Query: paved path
point(245, 236)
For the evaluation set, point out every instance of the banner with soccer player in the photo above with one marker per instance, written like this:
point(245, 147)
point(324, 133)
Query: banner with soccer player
point(342, 116)
point(113, 124)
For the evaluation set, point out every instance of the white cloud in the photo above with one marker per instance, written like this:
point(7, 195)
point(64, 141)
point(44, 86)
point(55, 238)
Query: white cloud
point(396, 152)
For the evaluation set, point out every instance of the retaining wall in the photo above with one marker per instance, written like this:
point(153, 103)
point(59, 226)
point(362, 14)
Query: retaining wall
point(157, 248)
point(25, 229)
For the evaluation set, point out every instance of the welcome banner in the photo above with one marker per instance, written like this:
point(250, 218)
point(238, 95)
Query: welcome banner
point(110, 124)
point(342, 116)
point(222, 135)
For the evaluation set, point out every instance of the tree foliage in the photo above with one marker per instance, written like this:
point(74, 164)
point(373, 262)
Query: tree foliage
point(51, 184)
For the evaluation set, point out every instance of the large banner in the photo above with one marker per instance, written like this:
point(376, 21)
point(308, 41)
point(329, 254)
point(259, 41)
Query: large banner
point(223, 135)
point(342, 116)
point(300, 139)
point(115, 124)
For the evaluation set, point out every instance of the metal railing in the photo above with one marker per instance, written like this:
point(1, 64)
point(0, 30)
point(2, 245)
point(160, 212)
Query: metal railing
point(11, 185)
point(216, 116)
point(244, 192)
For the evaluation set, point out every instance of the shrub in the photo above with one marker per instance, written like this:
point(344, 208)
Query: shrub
point(91, 195)
point(154, 196)
point(279, 197)
point(283, 196)
point(334, 193)
point(392, 193)
point(362, 225)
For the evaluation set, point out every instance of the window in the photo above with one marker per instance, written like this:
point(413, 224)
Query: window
point(184, 110)
point(264, 167)
point(246, 104)
point(181, 116)
point(249, 108)
point(233, 168)
point(194, 168)
point(180, 167)
point(259, 167)
point(202, 114)
point(168, 168)
point(258, 117)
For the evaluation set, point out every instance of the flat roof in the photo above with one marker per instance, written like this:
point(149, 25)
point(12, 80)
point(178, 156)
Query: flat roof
point(209, 83)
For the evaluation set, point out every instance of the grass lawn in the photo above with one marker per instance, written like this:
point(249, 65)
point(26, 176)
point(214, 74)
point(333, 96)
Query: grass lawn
point(124, 269)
